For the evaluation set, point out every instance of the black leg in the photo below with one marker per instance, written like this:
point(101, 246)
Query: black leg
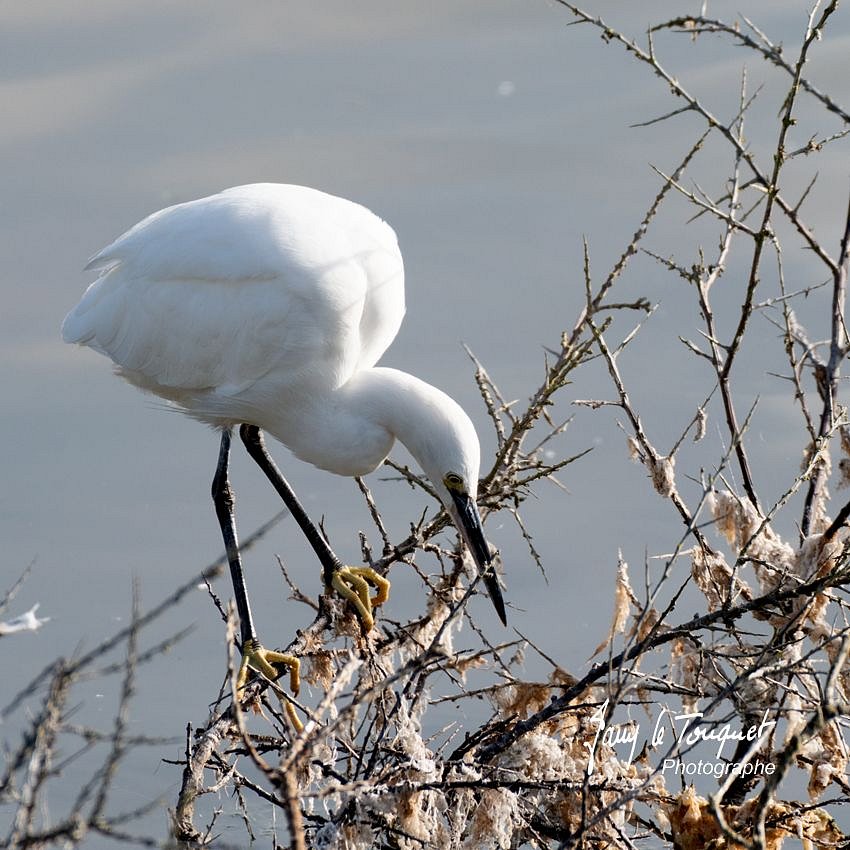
point(222, 494)
point(352, 583)
point(254, 655)
point(253, 440)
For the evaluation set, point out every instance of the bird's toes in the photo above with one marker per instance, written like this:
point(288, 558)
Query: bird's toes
point(271, 665)
point(354, 590)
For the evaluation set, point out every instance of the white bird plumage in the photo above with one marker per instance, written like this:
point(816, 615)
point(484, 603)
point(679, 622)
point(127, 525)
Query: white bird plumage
point(270, 305)
point(259, 290)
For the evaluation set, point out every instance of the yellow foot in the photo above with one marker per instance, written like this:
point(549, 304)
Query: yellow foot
point(352, 583)
point(257, 657)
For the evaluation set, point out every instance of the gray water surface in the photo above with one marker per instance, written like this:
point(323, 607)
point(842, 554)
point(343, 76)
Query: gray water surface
point(493, 138)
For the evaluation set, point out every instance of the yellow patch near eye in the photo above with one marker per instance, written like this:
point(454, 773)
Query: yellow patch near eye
point(453, 481)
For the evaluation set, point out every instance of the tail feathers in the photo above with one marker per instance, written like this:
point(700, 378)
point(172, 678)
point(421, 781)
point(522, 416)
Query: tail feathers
point(76, 329)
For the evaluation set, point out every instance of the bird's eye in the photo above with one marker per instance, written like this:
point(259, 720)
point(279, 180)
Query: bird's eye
point(453, 481)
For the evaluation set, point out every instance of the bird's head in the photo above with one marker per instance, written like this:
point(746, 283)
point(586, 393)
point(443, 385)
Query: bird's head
point(441, 437)
point(457, 493)
point(447, 448)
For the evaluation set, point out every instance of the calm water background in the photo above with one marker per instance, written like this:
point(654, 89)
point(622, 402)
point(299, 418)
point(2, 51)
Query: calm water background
point(492, 137)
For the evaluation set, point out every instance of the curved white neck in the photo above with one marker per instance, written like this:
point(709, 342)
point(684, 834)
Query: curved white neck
point(351, 430)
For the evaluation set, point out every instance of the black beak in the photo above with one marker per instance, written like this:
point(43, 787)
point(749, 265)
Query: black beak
point(473, 534)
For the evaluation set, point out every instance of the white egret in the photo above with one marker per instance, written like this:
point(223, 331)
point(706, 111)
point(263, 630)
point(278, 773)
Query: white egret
point(266, 307)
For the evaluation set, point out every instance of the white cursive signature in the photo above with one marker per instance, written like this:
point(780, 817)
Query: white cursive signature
point(687, 728)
